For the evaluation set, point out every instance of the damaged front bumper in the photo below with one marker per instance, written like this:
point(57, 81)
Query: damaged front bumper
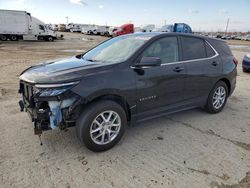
point(49, 112)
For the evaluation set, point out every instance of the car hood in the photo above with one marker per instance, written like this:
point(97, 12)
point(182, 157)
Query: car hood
point(61, 70)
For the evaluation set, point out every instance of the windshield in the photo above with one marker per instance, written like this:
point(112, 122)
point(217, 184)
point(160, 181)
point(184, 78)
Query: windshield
point(116, 50)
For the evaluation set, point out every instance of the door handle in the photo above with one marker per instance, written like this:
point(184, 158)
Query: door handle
point(214, 63)
point(178, 69)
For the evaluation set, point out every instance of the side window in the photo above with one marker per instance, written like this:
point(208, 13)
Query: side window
point(41, 27)
point(210, 51)
point(166, 49)
point(193, 48)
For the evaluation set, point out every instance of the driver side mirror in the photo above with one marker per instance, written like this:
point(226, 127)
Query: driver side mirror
point(149, 62)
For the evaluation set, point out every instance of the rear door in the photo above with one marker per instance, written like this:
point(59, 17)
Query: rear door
point(162, 85)
point(203, 67)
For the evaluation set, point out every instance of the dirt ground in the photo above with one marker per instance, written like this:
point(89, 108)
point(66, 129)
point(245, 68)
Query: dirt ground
point(188, 149)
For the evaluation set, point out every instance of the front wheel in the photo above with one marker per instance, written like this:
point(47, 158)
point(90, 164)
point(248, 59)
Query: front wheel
point(217, 98)
point(50, 38)
point(101, 125)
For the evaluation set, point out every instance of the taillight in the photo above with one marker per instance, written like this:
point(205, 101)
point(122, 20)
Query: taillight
point(235, 61)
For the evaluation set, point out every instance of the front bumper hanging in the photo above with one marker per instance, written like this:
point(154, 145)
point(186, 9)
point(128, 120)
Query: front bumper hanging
point(50, 113)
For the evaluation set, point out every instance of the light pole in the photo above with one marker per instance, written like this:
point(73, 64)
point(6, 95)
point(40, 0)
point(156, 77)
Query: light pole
point(227, 25)
point(67, 18)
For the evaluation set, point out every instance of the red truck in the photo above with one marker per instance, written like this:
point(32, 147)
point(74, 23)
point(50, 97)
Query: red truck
point(123, 30)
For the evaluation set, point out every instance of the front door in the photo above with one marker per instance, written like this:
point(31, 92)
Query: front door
point(160, 86)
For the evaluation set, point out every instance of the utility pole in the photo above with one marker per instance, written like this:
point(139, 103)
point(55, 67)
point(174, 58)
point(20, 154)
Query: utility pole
point(227, 25)
point(67, 18)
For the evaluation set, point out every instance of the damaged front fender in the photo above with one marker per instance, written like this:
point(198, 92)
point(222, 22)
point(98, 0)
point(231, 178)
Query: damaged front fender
point(55, 108)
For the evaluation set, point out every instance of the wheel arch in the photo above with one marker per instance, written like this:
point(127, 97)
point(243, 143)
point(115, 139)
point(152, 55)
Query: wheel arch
point(227, 83)
point(113, 97)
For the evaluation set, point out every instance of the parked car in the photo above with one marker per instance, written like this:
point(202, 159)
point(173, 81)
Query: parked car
point(246, 37)
point(128, 79)
point(226, 37)
point(238, 37)
point(246, 63)
point(218, 36)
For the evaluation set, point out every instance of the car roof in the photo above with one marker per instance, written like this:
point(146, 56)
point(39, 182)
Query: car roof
point(157, 34)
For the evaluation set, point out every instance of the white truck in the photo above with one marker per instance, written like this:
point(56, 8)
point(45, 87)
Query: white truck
point(148, 28)
point(74, 27)
point(88, 29)
point(16, 25)
point(98, 29)
point(108, 32)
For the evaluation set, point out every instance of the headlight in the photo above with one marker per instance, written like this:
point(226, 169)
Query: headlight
point(51, 90)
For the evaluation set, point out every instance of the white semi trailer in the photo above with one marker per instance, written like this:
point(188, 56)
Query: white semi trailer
point(16, 25)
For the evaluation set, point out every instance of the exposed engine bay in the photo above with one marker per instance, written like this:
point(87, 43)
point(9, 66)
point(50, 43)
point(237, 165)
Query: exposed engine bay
point(49, 106)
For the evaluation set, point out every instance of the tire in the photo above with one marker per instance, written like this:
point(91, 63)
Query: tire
point(91, 119)
point(13, 38)
point(216, 107)
point(3, 37)
point(50, 39)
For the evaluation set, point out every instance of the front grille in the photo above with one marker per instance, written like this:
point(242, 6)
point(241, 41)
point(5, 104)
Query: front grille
point(27, 91)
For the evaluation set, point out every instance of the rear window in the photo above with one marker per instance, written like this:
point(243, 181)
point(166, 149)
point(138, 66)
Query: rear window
point(223, 49)
point(193, 48)
point(210, 51)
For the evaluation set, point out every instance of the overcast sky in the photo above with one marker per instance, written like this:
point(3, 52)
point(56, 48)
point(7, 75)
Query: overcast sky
point(201, 15)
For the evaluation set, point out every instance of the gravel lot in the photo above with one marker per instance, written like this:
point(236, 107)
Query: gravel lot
point(187, 149)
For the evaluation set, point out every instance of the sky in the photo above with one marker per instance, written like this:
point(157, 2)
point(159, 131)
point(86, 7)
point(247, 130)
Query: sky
point(201, 15)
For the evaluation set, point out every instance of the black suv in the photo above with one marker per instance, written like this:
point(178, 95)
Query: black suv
point(127, 79)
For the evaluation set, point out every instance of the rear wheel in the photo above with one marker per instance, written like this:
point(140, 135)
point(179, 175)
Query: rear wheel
point(217, 98)
point(101, 125)
point(3, 37)
point(13, 38)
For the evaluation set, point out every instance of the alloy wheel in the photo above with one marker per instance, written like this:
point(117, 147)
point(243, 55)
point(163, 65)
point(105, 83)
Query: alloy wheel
point(105, 127)
point(219, 97)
